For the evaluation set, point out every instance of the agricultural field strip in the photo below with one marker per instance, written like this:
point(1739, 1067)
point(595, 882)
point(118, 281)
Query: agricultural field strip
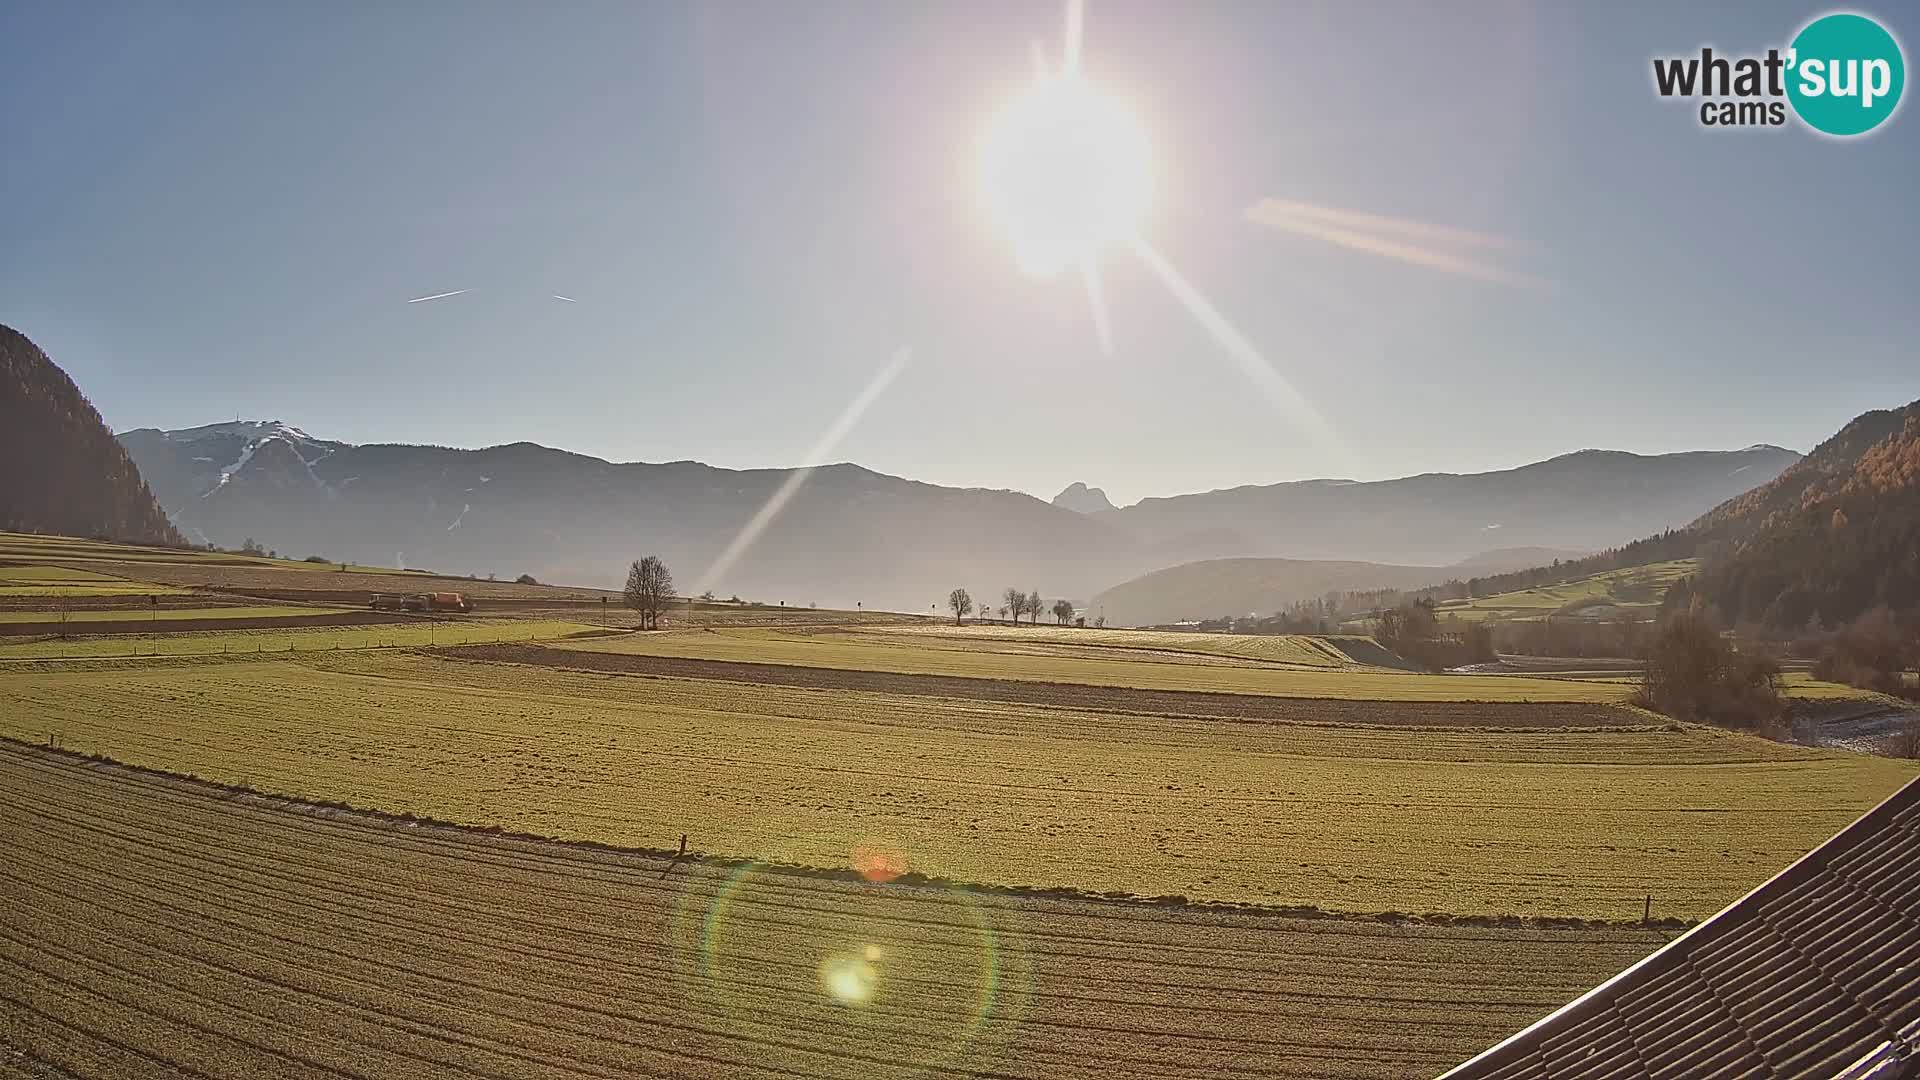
point(776, 648)
point(1216, 705)
point(416, 631)
point(201, 851)
point(1306, 736)
point(1277, 650)
point(1012, 796)
point(1633, 588)
point(392, 916)
point(144, 614)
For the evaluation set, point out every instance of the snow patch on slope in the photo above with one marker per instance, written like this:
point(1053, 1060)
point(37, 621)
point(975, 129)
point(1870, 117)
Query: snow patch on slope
point(227, 471)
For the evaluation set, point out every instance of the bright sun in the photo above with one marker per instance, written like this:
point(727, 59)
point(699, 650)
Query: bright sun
point(1065, 173)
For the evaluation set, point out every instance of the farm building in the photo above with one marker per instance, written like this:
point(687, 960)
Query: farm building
point(1816, 973)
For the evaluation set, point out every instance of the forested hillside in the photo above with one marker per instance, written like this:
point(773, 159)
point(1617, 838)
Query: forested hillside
point(1831, 537)
point(64, 471)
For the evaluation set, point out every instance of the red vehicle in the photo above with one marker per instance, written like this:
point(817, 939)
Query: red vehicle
point(430, 601)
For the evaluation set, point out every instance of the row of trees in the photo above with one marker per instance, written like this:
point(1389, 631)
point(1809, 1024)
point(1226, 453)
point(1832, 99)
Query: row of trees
point(1014, 604)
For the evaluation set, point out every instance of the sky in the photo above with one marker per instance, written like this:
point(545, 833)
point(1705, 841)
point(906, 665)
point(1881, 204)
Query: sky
point(221, 209)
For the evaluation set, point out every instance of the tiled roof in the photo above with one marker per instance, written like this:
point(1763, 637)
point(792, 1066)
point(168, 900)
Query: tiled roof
point(1816, 973)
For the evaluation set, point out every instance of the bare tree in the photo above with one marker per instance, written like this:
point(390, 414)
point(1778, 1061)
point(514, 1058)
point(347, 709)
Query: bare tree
point(961, 603)
point(1062, 611)
point(1035, 606)
point(649, 587)
point(1015, 601)
point(1003, 611)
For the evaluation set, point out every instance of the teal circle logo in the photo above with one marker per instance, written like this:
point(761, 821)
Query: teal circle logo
point(1845, 74)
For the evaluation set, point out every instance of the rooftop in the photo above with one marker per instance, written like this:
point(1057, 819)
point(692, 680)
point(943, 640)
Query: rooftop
point(1816, 973)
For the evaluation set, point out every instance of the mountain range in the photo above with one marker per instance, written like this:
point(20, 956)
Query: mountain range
point(847, 535)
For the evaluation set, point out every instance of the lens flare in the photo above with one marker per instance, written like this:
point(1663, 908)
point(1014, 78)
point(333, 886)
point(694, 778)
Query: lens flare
point(849, 979)
point(879, 864)
point(909, 982)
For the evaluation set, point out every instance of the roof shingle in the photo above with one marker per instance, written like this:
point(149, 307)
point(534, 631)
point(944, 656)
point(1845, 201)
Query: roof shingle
point(1816, 973)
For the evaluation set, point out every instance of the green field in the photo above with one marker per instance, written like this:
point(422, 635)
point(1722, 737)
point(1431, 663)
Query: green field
point(1636, 589)
point(1580, 823)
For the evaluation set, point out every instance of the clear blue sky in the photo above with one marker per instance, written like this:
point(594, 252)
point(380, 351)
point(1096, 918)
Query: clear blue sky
point(211, 209)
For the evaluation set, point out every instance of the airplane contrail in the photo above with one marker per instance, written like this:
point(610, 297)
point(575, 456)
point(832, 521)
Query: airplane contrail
point(438, 296)
point(568, 299)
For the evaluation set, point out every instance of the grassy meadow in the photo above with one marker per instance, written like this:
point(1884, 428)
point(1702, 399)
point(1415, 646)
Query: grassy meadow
point(1636, 589)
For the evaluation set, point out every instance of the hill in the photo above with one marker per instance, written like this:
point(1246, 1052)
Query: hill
point(65, 472)
point(1212, 588)
point(1830, 537)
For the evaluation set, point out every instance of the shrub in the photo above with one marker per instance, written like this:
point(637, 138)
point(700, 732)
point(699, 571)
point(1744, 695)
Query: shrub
point(316, 559)
point(1905, 743)
point(1694, 673)
point(1870, 652)
point(525, 579)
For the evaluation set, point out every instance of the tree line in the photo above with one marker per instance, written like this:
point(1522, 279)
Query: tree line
point(1013, 604)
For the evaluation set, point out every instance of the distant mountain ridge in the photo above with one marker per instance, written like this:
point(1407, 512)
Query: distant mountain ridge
point(64, 473)
point(851, 535)
point(1584, 500)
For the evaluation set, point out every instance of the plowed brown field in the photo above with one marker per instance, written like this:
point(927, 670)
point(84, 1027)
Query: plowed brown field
point(161, 927)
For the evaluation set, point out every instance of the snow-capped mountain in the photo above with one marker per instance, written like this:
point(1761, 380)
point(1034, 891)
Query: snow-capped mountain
point(192, 464)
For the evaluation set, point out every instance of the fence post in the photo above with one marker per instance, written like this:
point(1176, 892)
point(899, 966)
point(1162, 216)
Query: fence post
point(1646, 916)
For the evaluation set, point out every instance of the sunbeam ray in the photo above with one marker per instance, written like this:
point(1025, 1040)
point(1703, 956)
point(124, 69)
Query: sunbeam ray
point(1076, 20)
point(1268, 381)
point(1097, 303)
point(821, 448)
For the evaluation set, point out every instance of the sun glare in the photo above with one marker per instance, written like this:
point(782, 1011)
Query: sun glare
point(1066, 174)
